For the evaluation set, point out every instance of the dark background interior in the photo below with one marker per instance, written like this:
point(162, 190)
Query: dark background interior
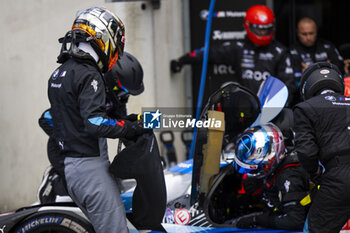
point(330, 16)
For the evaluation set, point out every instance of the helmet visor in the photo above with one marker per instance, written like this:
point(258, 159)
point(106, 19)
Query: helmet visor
point(262, 30)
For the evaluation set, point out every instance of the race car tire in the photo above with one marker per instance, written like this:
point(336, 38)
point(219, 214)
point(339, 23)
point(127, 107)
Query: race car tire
point(54, 222)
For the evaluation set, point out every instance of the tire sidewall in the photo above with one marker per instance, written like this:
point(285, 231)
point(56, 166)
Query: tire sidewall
point(58, 221)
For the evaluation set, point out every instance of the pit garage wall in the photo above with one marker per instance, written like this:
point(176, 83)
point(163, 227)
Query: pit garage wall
point(29, 48)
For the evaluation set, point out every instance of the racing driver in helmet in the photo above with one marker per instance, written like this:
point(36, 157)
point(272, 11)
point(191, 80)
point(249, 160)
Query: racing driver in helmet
point(272, 174)
point(77, 96)
point(253, 58)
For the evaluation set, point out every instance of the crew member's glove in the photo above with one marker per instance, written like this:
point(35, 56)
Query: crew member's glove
point(133, 130)
point(188, 58)
point(140, 122)
point(175, 66)
point(247, 222)
point(132, 117)
point(316, 181)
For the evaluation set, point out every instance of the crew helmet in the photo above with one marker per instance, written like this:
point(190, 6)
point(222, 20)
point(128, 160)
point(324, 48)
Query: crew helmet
point(105, 32)
point(259, 150)
point(319, 77)
point(126, 75)
point(259, 23)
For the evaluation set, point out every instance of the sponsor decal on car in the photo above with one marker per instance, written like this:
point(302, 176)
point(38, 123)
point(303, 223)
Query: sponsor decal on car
point(182, 216)
point(169, 216)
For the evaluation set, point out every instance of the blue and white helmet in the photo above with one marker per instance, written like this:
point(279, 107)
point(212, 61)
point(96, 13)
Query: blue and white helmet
point(259, 150)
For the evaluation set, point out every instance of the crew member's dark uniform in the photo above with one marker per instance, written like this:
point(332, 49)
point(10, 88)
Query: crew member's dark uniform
point(321, 51)
point(252, 64)
point(322, 133)
point(281, 192)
